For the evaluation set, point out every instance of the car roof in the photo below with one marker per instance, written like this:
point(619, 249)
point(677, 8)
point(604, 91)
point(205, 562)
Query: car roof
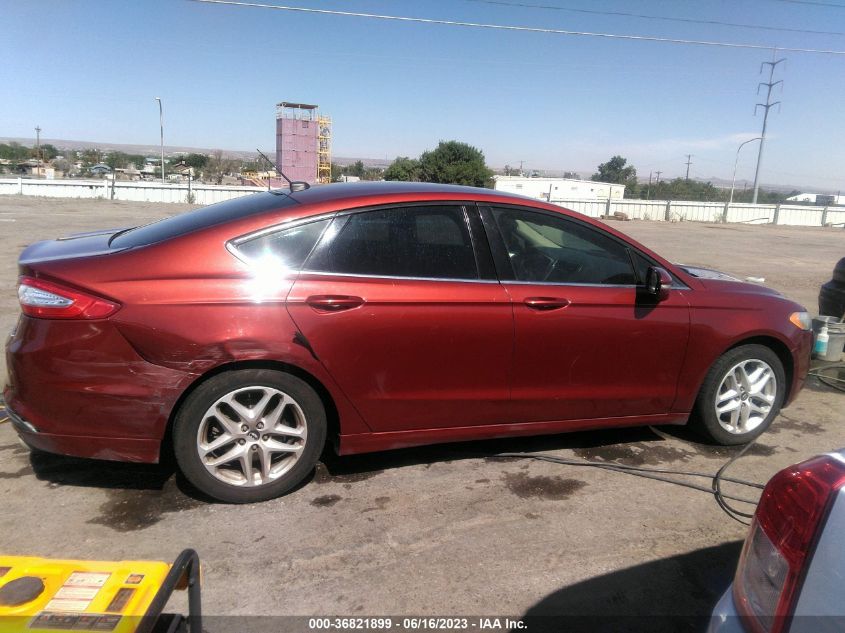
point(389, 189)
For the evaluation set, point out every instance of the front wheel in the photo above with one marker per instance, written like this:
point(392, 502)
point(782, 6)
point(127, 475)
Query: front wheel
point(741, 395)
point(249, 435)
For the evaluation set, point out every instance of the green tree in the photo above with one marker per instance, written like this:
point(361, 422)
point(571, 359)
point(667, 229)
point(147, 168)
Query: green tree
point(457, 163)
point(618, 171)
point(48, 152)
point(197, 161)
point(14, 151)
point(90, 157)
point(373, 173)
point(356, 169)
point(403, 168)
point(337, 172)
point(115, 160)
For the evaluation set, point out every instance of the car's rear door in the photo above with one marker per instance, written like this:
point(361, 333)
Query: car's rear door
point(407, 316)
point(586, 344)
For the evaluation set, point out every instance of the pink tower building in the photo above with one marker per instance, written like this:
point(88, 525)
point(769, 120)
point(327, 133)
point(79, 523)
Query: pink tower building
point(297, 140)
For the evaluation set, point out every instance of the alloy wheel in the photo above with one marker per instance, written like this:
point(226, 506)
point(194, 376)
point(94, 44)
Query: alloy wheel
point(252, 436)
point(745, 396)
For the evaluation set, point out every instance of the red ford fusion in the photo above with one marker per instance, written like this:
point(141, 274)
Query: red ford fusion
point(377, 316)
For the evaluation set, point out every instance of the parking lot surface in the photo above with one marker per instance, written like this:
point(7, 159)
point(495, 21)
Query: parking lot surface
point(438, 530)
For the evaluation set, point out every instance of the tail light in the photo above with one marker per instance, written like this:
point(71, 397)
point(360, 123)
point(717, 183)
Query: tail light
point(48, 300)
point(778, 549)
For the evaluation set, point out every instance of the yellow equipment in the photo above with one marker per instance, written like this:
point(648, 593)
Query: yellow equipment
point(42, 594)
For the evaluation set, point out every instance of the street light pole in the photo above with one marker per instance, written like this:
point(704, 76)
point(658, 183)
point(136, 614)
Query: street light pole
point(161, 126)
point(736, 162)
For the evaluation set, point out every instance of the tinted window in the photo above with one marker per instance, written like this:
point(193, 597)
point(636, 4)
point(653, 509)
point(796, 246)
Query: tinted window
point(287, 247)
point(543, 248)
point(400, 242)
point(201, 219)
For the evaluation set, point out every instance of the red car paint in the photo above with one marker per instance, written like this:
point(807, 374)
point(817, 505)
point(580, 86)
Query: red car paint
point(398, 362)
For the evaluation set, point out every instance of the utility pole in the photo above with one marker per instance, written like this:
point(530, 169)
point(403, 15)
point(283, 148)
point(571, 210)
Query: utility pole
point(648, 190)
point(689, 162)
point(161, 127)
point(766, 107)
point(658, 176)
point(520, 168)
point(38, 146)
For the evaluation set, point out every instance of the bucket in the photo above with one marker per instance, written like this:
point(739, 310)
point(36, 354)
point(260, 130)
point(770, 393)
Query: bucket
point(830, 321)
point(835, 345)
point(836, 337)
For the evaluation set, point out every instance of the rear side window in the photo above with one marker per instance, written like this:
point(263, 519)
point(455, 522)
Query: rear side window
point(203, 218)
point(287, 247)
point(429, 242)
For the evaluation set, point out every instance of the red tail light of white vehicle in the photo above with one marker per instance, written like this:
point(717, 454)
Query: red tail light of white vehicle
point(780, 543)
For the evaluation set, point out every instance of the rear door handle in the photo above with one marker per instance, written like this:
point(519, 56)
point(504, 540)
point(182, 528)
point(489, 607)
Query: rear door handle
point(333, 303)
point(546, 303)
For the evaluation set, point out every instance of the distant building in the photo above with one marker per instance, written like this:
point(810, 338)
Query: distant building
point(345, 178)
point(303, 142)
point(558, 189)
point(100, 169)
point(180, 171)
point(821, 199)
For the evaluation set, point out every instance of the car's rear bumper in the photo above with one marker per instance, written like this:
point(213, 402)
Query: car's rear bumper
point(726, 618)
point(109, 448)
point(78, 388)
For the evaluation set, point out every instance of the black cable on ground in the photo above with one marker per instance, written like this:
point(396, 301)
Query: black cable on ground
point(656, 474)
point(837, 382)
point(736, 515)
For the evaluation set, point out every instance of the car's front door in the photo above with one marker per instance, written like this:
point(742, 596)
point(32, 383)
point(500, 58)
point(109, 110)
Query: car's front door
point(587, 345)
point(408, 318)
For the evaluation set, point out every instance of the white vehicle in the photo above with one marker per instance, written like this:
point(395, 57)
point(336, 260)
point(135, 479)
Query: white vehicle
point(791, 574)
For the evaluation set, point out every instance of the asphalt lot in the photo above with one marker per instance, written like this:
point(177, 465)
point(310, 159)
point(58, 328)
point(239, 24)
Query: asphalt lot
point(439, 530)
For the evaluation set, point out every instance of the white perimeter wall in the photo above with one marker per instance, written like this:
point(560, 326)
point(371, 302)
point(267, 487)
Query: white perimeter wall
point(136, 191)
point(660, 210)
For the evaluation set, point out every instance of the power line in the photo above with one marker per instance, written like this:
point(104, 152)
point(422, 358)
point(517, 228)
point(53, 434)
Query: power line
point(643, 16)
point(815, 2)
point(525, 29)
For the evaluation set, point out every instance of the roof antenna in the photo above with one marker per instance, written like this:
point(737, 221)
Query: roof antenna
point(295, 185)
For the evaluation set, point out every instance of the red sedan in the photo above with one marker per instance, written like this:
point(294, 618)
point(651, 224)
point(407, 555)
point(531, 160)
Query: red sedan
point(379, 316)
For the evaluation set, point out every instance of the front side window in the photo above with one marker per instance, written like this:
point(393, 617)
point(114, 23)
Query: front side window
point(286, 248)
point(543, 248)
point(429, 242)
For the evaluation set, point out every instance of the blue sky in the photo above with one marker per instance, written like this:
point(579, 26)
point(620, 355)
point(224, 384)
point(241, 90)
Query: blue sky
point(89, 70)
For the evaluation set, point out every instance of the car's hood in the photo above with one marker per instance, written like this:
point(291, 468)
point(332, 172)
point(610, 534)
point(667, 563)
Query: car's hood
point(718, 280)
point(707, 273)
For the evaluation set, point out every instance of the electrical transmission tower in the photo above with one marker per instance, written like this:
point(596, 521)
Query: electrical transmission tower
point(766, 107)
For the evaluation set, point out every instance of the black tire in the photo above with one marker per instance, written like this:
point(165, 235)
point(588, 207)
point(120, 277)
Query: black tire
point(705, 420)
point(186, 428)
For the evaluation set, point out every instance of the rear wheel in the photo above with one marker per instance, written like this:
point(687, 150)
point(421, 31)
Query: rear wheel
point(249, 435)
point(741, 395)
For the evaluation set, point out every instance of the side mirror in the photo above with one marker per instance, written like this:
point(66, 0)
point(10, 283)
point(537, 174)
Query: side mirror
point(657, 282)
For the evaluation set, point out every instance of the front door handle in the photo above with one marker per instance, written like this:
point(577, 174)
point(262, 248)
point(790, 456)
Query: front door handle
point(546, 303)
point(333, 303)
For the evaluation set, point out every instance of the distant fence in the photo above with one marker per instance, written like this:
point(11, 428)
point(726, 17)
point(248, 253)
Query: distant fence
point(660, 210)
point(683, 210)
point(135, 191)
